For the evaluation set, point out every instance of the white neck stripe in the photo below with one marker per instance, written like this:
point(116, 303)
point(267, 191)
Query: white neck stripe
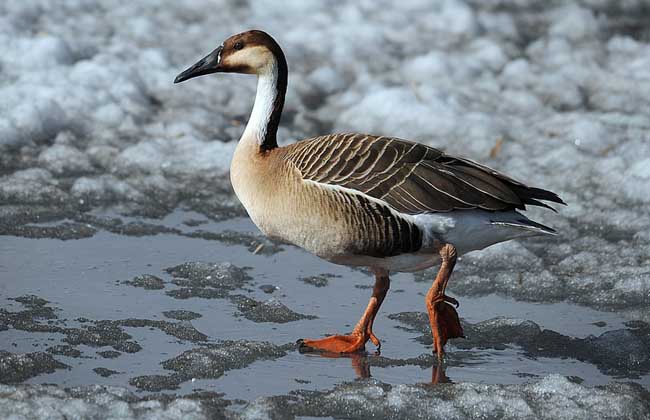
point(258, 123)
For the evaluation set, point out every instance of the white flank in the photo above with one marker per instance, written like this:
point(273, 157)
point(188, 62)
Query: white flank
point(471, 230)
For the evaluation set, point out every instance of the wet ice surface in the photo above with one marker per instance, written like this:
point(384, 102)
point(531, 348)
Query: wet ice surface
point(553, 93)
point(150, 339)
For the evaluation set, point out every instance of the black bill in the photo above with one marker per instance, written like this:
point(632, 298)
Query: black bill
point(207, 65)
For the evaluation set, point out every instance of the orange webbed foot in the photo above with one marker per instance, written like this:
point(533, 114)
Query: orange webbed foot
point(445, 324)
point(351, 343)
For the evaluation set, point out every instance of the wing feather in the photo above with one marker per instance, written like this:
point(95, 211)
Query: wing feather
point(410, 177)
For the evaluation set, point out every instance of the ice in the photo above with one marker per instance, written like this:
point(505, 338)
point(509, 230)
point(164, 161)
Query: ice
point(271, 310)
point(552, 397)
point(61, 159)
point(222, 276)
point(534, 273)
point(212, 281)
point(211, 361)
point(146, 281)
point(616, 352)
point(99, 402)
point(638, 177)
point(477, 73)
point(30, 186)
point(104, 188)
point(176, 158)
point(574, 23)
point(15, 368)
point(182, 315)
point(326, 80)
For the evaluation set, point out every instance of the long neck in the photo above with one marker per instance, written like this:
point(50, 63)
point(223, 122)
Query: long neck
point(263, 124)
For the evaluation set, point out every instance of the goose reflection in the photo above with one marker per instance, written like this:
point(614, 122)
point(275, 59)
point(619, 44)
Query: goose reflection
point(362, 362)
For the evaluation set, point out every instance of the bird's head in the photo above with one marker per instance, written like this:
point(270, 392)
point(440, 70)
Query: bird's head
point(250, 52)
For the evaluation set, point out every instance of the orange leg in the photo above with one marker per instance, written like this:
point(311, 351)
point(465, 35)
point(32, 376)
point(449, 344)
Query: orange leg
point(442, 316)
point(362, 332)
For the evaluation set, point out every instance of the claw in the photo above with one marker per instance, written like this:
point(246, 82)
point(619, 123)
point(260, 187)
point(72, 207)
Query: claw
point(451, 300)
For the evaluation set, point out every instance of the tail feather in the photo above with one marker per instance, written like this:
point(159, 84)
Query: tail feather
point(534, 202)
point(525, 223)
point(528, 195)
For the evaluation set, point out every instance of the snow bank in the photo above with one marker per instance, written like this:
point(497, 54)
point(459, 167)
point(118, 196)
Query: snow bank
point(552, 397)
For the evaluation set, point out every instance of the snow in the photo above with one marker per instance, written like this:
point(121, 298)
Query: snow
point(61, 159)
point(551, 397)
point(574, 23)
point(638, 177)
point(93, 403)
point(172, 157)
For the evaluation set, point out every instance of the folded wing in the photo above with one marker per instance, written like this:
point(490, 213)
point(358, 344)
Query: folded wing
point(410, 177)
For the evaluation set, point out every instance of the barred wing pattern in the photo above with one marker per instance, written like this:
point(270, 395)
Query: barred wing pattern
point(410, 177)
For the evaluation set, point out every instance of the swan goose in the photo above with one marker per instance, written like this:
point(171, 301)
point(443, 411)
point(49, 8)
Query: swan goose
point(360, 200)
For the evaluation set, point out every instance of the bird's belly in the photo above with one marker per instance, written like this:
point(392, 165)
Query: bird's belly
point(329, 240)
point(405, 263)
point(324, 240)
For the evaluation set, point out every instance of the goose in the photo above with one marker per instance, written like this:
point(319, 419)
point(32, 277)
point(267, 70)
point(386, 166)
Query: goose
point(379, 202)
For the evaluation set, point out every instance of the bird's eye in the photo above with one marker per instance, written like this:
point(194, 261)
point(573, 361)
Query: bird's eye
point(238, 46)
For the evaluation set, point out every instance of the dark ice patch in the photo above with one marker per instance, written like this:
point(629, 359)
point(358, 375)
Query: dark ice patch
point(157, 383)
point(271, 310)
point(146, 281)
point(18, 367)
point(320, 280)
point(206, 280)
point(104, 372)
point(209, 362)
point(182, 315)
point(64, 350)
point(109, 354)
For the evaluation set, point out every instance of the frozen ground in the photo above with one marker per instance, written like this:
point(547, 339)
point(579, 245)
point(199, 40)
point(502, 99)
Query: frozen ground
point(113, 184)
